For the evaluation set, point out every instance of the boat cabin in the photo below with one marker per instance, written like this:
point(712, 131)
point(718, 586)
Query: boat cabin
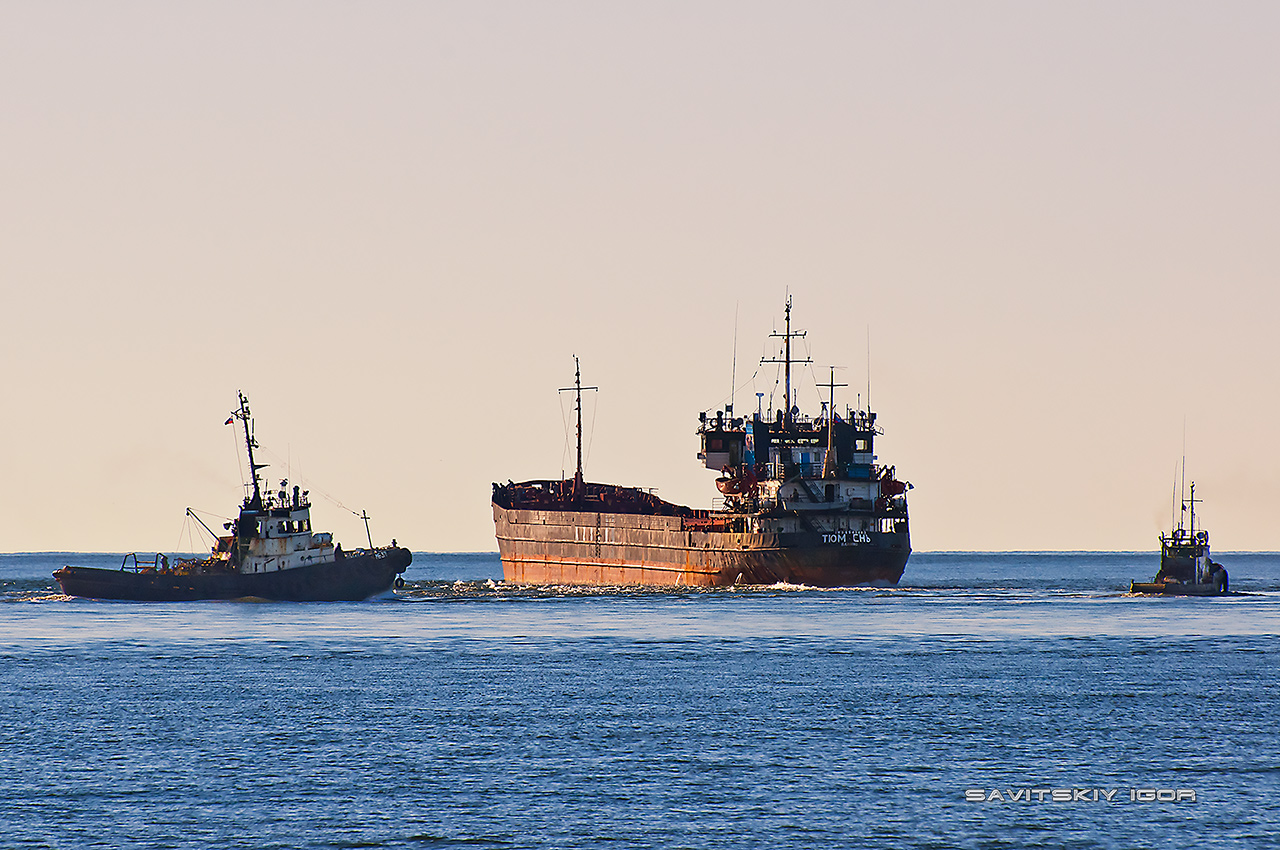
point(273, 532)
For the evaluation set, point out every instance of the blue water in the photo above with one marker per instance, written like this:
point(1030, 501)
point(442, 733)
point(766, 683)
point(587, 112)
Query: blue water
point(463, 713)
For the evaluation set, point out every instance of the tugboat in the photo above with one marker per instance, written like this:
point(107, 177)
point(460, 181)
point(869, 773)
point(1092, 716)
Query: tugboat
point(1185, 566)
point(272, 553)
point(803, 502)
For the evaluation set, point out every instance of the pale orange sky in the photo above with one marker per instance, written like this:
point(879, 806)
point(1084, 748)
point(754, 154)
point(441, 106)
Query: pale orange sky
point(394, 224)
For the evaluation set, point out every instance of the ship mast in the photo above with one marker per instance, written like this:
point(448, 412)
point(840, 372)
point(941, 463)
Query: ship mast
point(1192, 501)
point(577, 389)
point(1198, 552)
point(250, 444)
point(828, 460)
point(786, 360)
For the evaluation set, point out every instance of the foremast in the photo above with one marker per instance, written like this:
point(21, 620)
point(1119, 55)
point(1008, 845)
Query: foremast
point(242, 413)
point(577, 389)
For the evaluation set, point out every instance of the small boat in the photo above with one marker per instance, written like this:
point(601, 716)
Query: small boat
point(272, 553)
point(1185, 566)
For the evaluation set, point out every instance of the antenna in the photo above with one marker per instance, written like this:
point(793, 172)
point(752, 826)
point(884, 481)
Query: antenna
point(733, 373)
point(577, 389)
point(868, 368)
point(1182, 487)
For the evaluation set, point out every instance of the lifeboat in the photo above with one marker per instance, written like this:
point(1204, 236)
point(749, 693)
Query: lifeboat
point(891, 486)
point(734, 485)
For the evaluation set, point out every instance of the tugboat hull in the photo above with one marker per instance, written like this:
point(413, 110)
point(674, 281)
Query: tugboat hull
point(1185, 566)
point(582, 547)
point(354, 577)
point(1170, 588)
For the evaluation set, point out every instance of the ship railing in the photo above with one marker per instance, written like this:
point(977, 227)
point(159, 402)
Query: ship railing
point(814, 469)
point(712, 523)
point(789, 470)
point(738, 504)
point(143, 566)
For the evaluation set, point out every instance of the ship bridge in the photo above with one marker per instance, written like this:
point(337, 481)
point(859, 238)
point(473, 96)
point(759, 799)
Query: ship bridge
point(274, 533)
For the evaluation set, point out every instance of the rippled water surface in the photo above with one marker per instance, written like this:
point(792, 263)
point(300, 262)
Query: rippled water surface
point(462, 712)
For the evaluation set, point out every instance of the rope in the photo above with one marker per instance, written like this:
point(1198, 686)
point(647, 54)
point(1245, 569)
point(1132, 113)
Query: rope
point(306, 484)
point(235, 442)
point(564, 419)
point(736, 390)
point(591, 435)
point(186, 522)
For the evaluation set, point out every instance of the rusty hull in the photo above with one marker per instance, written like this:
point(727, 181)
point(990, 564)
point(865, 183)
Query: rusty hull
point(564, 547)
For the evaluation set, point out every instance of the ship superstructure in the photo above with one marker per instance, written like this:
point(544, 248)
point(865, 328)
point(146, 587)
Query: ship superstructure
point(797, 474)
point(273, 531)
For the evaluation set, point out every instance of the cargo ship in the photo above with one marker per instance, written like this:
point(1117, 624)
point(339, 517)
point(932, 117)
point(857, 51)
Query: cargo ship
point(272, 553)
point(803, 500)
point(1185, 566)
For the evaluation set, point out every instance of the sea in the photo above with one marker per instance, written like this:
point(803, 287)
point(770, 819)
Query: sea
point(992, 700)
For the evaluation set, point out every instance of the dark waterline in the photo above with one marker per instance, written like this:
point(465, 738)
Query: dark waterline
point(461, 712)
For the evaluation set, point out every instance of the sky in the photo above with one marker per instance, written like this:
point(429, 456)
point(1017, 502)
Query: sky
point(1045, 234)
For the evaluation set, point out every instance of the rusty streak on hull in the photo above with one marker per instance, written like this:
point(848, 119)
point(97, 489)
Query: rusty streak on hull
point(601, 548)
